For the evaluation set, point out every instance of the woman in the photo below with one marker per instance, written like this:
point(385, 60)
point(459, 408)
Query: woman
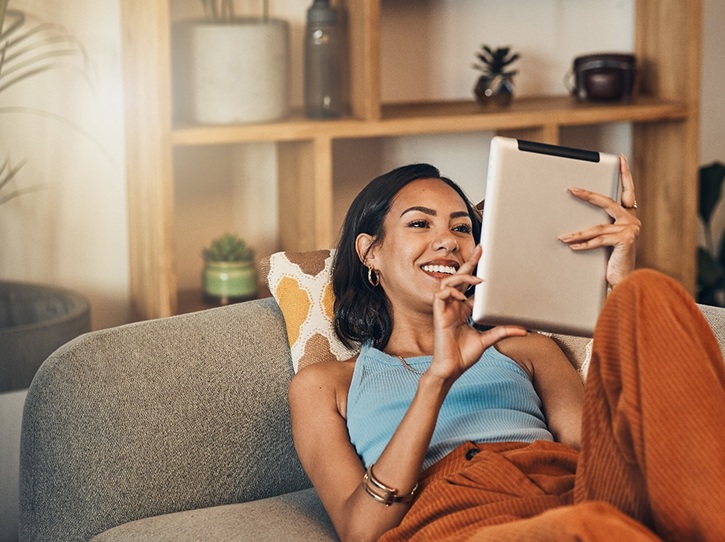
point(437, 430)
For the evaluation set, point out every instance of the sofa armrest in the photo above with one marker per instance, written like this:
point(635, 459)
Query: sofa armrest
point(157, 417)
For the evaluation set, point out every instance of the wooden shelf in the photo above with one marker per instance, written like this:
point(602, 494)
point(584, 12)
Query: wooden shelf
point(665, 150)
point(438, 117)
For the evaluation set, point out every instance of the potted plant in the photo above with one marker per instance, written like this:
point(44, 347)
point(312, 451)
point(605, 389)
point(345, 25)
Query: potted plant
point(35, 319)
point(233, 69)
point(229, 273)
point(495, 85)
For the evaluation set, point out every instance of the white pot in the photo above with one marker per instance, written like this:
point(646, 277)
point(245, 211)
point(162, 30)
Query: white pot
point(235, 72)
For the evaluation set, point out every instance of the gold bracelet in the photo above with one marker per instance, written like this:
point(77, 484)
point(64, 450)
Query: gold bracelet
point(382, 493)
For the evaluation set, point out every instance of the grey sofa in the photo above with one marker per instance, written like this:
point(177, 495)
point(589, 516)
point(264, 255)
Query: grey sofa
point(175, 429)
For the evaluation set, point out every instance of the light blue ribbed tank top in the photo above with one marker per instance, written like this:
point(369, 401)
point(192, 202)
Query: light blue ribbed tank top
point(493, 401)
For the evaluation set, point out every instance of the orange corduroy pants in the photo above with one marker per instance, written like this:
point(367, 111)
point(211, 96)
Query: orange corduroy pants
point(652, 460)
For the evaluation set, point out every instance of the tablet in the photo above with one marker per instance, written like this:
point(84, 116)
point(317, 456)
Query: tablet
point(530, 278)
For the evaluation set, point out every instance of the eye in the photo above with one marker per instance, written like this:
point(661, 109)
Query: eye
point(419, 223)
point(463, 228)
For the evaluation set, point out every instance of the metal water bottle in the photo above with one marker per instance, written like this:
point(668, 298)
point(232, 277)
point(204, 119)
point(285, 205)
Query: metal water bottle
point(322, 61)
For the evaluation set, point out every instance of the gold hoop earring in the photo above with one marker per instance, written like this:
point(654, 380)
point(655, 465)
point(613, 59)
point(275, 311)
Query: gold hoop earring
point(373, 277)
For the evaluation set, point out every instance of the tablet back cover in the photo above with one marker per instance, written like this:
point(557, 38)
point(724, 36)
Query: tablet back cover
point(530, 278)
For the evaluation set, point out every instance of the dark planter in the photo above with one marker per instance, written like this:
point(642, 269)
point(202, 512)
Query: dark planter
point(34, 321)
point(497, 91)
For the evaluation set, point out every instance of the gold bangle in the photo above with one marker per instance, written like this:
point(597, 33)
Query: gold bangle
point(382, 493)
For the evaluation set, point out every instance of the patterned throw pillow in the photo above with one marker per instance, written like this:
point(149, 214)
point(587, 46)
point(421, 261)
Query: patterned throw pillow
point(301, 284)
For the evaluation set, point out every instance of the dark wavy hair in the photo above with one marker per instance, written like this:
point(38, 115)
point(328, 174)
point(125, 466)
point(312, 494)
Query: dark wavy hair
point(362, 312)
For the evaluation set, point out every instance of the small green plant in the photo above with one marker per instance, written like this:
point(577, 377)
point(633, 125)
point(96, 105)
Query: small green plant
point(228, 248)
point(494, 62)
point(710, 260)
point(222, 11)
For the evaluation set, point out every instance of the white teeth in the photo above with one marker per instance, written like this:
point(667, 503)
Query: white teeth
point(439, 269)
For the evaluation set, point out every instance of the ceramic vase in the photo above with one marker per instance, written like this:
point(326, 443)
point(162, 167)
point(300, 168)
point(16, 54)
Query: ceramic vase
point(229, 282)
point(235, 72)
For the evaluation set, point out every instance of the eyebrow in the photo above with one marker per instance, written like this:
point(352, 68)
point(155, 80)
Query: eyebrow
point(433, 212)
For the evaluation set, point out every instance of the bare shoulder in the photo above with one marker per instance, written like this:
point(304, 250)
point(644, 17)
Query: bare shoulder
point(323, 373)
point(326, 381)
point(529, 349)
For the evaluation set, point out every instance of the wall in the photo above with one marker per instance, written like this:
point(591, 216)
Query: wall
point(73, 232)
point(712, 107)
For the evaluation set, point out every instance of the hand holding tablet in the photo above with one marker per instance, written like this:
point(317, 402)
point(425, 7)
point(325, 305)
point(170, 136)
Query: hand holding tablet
point(530, 277)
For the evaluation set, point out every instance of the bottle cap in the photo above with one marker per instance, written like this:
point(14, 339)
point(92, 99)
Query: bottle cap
point(322, 12)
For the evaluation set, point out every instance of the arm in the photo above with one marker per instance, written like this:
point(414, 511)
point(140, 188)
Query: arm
point(317, 401)
point(322, 443)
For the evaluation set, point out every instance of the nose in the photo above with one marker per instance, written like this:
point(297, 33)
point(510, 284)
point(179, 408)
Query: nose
point(446, 241)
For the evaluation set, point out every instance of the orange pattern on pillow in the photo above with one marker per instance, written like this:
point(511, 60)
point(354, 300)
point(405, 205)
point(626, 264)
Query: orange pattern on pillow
point(295, 305)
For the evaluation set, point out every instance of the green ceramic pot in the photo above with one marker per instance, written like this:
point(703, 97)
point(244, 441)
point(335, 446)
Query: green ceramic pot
point(229, 282)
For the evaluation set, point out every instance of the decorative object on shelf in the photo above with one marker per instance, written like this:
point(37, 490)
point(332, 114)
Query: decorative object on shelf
point(322, 61)
point(496, 85)
point(711, 261)
point(604, 77)
point(233, 69)
point(229, 274)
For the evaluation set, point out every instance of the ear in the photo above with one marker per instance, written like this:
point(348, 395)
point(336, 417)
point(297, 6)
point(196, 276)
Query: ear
point(363, 244)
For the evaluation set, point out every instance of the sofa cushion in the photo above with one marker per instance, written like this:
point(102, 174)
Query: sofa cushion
point(294, 516)
point(301, 284)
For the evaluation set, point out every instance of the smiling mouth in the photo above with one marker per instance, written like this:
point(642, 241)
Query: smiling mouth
point(442, 269)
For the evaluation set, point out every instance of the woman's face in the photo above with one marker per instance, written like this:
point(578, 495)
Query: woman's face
point(427, 236)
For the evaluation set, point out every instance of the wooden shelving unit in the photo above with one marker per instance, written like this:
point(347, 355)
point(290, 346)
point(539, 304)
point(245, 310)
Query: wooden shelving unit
point(664, 119)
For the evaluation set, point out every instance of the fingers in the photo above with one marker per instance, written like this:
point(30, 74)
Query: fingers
point(616, 234)
point(628, 200)
point(625, 229)
point(451, 292)
point(463, 278)
point(611, 207)
point(470, 265)
point(615, 210)
point(501, 332)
